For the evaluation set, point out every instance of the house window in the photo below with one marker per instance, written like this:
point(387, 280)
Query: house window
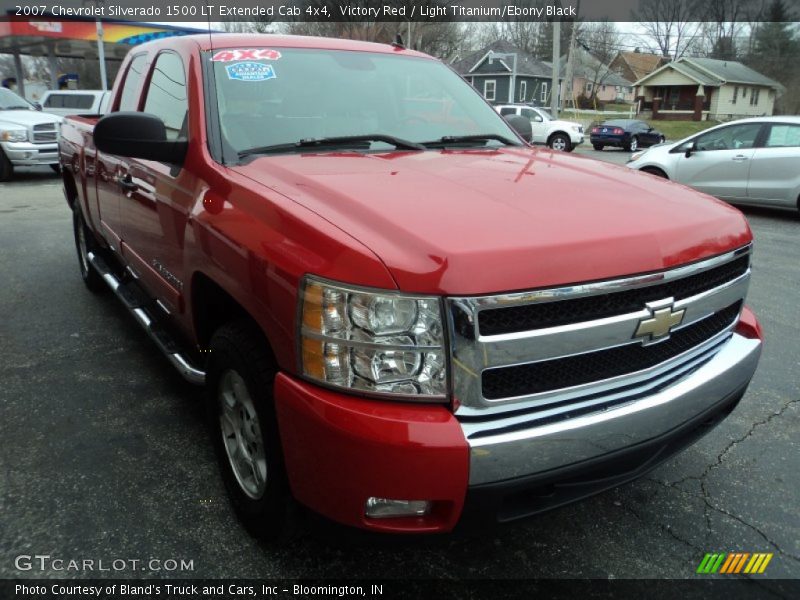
point(754, 97)
point(604, 88)
point(588, 87)
point(523, 90)
point(735, 94)
point(744, 92)
point(544, 91)
point(489, 87)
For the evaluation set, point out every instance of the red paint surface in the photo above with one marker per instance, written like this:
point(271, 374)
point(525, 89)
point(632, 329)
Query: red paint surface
point(340, 450)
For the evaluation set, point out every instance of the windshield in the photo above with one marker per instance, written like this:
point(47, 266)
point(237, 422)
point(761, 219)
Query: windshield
point(544, 114)
point(10, 101)
point(270, 97)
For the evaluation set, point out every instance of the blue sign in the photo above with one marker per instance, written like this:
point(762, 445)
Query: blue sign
point(250, 71)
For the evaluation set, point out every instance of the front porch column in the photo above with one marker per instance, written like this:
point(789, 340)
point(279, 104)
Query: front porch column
point(699, 99)
point(656, 107)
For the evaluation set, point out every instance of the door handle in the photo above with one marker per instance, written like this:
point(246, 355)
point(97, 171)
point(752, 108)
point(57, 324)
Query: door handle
point(126, 183)
point(739, 157)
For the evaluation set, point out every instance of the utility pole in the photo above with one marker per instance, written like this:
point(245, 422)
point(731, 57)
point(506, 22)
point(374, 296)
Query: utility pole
point(556, 68)
point(569, 78)
point(101, 56)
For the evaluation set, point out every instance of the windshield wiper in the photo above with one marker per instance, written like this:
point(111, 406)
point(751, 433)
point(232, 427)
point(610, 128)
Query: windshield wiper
point(326, 142)
point(477, 137)
point(15, 108)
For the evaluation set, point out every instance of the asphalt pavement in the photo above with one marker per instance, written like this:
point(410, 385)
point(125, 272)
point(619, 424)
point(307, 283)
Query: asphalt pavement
point(104, 454)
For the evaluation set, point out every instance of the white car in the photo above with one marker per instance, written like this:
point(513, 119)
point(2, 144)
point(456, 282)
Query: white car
point(66, 103)
point(557, 134)
point(751, 161)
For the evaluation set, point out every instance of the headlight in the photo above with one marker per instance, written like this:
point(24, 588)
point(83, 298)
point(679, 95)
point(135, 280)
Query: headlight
point(13, 135)
point(577, 128)
point(637, 155)
point(371, 341)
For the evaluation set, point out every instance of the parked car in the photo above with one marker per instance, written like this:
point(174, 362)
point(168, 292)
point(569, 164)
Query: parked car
point(751, 161)
point(403, 322)
point(75, 102)
point(27, 137)
point(555, 133)
point(629, 134)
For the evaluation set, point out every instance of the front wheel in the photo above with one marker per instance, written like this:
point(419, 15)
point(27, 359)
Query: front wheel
point(6, 168)
point(56, 169)
point(244, 428)
point(633, 145)
point(560, 142)
point(662, 139)
point(598, 147)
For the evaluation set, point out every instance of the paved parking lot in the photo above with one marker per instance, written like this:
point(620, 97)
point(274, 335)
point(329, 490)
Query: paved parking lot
point(104, 454)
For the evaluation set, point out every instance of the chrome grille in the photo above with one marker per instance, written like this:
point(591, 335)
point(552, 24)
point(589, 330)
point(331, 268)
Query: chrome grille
point(44, 133)
point(575, 348)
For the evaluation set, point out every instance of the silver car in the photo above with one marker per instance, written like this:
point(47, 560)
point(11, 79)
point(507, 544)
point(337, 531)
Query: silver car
point(751, 161)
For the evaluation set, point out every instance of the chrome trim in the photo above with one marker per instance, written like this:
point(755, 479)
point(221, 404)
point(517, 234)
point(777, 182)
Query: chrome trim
point(472, 353)
point(604, 287)
point(538, 449)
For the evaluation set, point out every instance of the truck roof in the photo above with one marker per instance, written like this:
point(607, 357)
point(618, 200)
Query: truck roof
point(243, 40)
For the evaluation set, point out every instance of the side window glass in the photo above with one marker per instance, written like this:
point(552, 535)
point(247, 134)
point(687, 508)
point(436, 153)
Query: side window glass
point(166, 95)
point(783, 136)
point(735, 137)
point(129, 98)
point(508, 110)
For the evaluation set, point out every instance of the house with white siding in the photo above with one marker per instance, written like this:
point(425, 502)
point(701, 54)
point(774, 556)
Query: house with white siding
point(704, 88)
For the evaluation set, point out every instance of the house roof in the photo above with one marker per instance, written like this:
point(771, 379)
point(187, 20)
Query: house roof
point(527, 64)
point(713, 72)
point(641, 63)
point(589, 67)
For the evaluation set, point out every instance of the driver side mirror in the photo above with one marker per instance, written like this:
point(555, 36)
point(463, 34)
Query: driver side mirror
point(538, 119)
point(690, 147)
point(37, 106)
point(522, 126)
point(138, 135)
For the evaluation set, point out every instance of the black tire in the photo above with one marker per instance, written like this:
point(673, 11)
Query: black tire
point(6, 168)
point(56, 169)
point(662, 139)
point(85, 243)
point(237, 348)
point(632, 146)
point(598, 147)
point(655, 171)
point(560, 142)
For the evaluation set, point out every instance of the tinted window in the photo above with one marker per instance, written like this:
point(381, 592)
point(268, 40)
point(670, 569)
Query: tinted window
point(729, 138)
point(166, 95)
point(508, 110)
point(531, 114)
point(129, 99)
point(781, 136)
point(69, 101)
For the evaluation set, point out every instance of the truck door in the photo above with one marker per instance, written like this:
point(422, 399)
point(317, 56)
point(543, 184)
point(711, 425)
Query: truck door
point(159, 197)
point(108, 169)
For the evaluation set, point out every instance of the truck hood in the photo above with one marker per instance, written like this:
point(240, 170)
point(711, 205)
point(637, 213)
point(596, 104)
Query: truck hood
point(27, 118)
point(483, 221)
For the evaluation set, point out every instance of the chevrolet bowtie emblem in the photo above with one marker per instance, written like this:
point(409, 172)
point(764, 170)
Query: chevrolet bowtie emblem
point(662, 319)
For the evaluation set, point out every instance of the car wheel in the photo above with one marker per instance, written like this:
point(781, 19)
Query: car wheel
point(633, 146)
point(560, 142)
point(56, 169)
point(244, 429)
point(85, 243)
point(6, 168)
point(655, 171)
point(598, 147)
point(662, 139)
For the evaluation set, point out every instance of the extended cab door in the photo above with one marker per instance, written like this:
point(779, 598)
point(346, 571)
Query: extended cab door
point(775, 168)
point(538, 125)
point(158, 201)
point(719, 164)
point(109, 170)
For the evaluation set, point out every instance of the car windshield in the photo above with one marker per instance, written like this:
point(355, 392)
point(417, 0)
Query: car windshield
point(276, 99)
point(544, 114)
point(10, 101)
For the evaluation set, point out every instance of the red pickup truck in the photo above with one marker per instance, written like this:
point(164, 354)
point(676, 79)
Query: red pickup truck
point(404, 316)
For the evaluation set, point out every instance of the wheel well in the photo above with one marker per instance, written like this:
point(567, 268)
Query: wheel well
point(70, 189)
point(555, 133)
point(654, 171)
point(213, 307)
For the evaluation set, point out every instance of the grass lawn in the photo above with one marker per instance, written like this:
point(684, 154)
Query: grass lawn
point(677, 130)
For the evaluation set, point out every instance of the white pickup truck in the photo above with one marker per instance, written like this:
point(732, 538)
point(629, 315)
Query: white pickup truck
point(555, 133)
point(27, 137)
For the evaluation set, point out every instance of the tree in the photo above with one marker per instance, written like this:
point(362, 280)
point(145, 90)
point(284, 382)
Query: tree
point(669, 24)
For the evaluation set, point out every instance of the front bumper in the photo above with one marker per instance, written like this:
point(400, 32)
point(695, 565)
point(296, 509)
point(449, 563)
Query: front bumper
point(28, 154)
point(340, 450)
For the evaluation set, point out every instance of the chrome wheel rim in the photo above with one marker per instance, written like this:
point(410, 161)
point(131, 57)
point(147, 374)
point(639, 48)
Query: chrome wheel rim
point(241, 435)
point(634, 145)
point(559, 144)
point(83, 253)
